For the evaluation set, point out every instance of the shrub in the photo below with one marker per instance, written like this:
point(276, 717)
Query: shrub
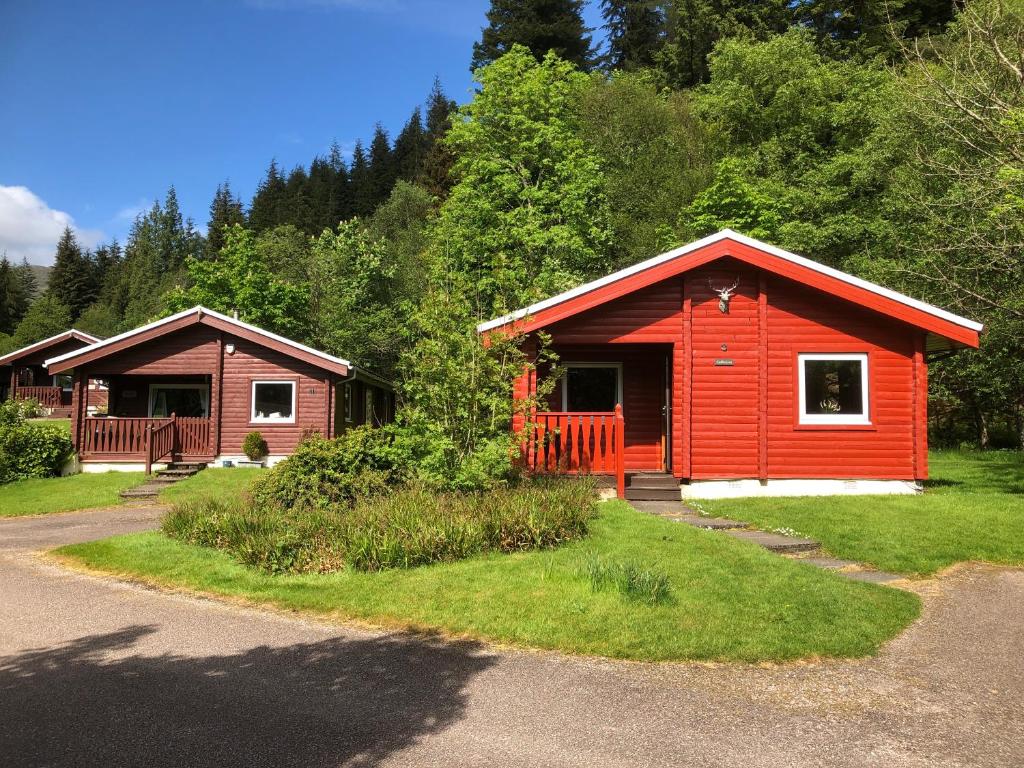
point(632, 580)
point(29, 450)
point(410, 527)
point(361, 462)
point(254, 446)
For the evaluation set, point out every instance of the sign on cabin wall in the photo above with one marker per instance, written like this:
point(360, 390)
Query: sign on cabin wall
point(723, 361)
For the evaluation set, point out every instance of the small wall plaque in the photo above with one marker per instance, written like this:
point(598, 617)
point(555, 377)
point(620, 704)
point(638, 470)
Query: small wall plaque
point(723, 361)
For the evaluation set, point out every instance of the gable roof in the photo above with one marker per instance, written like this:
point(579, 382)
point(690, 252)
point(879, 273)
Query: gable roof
point(943, 326)
point(38, 346)
point(194, 316)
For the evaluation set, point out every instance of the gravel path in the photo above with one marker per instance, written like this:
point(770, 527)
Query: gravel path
point(95, 672)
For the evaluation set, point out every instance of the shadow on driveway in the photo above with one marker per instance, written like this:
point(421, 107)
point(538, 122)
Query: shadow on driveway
point(337, 701)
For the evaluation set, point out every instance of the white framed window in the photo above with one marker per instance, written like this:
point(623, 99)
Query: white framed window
point(833, 388)
point(181, 399)
point(273, 402)
point(591, 387)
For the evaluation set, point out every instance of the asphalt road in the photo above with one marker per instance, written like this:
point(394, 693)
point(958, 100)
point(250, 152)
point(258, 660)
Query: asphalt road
point(95, 672)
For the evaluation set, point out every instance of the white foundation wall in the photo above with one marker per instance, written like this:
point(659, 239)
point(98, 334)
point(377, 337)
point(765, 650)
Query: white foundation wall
point(739, 489)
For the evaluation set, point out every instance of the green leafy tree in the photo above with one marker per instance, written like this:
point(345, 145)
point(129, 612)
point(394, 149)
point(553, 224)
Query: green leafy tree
point(403, 223)
point(730, 201)
point(539, 26)
point(655, 158)
point(238, 280)
point(528, 216)
point(46, 317)
point(636, 31)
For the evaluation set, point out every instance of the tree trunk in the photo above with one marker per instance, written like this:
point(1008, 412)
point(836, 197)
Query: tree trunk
point(981, 425)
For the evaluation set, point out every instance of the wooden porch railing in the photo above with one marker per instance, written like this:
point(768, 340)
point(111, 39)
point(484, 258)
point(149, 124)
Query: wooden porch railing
point(48, 397)
point(149, 440)
point(573, 443)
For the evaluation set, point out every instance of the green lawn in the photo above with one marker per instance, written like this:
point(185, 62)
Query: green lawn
point(731, 600)
point(217, 481)
point(972, 509)
point(63, 494)
point(64, 424)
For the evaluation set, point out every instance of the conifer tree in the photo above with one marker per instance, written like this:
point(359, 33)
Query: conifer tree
point(411, 148)
point(382, 168)
point(540, 25)
point(29, 286)
point(72, 281)
point(296, 208)
point(267, 203)
point(9, 299)
point(435, 175)
point(636, 30)
point(225, 211)
point(359, 179)
point(341, 192)
point(319, 189)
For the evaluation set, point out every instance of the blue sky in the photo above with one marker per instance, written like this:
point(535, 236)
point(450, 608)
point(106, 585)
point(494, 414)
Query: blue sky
point(106, 104)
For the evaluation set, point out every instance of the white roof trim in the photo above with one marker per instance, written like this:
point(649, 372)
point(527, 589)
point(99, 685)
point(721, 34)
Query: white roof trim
point(59, 337)
point(728, 234)
point(211, 313)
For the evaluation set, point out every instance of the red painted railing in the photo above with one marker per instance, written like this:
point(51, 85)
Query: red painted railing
point(48, 397)
point(566, 443)
point(149, 440)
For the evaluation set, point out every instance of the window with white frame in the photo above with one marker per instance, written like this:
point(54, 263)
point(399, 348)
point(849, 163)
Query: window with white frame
point(273, 402)
point(834, 388)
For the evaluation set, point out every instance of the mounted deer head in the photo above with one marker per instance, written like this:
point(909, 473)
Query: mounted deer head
point(725, 294)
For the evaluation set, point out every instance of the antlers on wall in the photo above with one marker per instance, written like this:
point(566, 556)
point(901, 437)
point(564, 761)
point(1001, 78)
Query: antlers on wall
point(724, 294)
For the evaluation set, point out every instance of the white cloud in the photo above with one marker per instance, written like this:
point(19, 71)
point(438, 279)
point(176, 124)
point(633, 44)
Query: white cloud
point(130, 212)
point(30, 228)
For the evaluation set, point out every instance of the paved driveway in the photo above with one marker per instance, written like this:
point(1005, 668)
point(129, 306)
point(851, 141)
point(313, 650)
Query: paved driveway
point(94, 672)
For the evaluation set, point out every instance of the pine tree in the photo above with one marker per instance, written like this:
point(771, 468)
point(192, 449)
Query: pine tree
point(540, 25)
point(636, 30)
point(341, 192)
point(29, 286)
point(72, 281)
point(381, 173)
point(411, 148)
point(225, 211)
point(296, 209)
point(9, 300)
point(319, 189)
point(359, 178)
point(268, 202)
point(435, 175)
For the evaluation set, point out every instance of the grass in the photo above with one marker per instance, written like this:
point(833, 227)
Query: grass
point(63, 494)
point(221, 482)
point(64, 424)
point(730, 600)
point(973, 509)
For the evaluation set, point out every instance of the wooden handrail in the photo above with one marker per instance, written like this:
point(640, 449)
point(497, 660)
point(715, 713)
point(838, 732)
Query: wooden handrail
point(48, 397)
point(160, 441)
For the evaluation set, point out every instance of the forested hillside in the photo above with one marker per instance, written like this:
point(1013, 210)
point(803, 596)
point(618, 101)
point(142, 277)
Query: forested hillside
point(883, 138)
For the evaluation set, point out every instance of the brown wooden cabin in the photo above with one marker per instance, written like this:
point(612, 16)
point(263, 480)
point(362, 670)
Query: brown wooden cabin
point(23, 373)
point(738, 367)
point(191, 386)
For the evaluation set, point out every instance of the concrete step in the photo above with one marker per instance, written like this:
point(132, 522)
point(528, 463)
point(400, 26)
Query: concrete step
point(775, 542)
point(147, 491)
point(176, 472)
point(653, 494)
point(195, 466)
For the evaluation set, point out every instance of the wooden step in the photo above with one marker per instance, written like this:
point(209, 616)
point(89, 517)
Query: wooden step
point(653, 481)
point(653, 494)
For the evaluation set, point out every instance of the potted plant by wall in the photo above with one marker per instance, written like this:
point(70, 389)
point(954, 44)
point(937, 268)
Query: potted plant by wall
point(255, 448)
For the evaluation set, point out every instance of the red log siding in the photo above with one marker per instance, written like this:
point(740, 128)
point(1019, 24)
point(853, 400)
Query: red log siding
point(799, 321)
point(651, 315)
point(741, 421)
point(723, 408)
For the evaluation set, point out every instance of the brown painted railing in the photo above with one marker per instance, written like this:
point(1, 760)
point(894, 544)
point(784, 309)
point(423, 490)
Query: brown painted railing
point(48, 397)
point(149, 440)
point(566, 443)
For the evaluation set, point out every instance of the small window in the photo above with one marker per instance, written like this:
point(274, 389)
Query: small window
point(348, 402)
point(63, 381)
point(834, 389)
point(273, 401)
point(592, 387)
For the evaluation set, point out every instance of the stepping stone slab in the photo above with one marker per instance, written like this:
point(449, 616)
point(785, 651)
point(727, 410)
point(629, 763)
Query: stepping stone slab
point(872, 577)
point(830, 563)
point(712, 523)
point(775, 542)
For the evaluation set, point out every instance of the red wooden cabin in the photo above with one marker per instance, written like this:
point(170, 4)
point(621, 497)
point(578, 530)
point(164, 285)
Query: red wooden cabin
point(736, 368)
point(191, 386)
point(23, 374)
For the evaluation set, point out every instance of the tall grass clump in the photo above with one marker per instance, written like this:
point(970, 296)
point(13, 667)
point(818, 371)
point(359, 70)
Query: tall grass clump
point(630, 579)
point(403, 529)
